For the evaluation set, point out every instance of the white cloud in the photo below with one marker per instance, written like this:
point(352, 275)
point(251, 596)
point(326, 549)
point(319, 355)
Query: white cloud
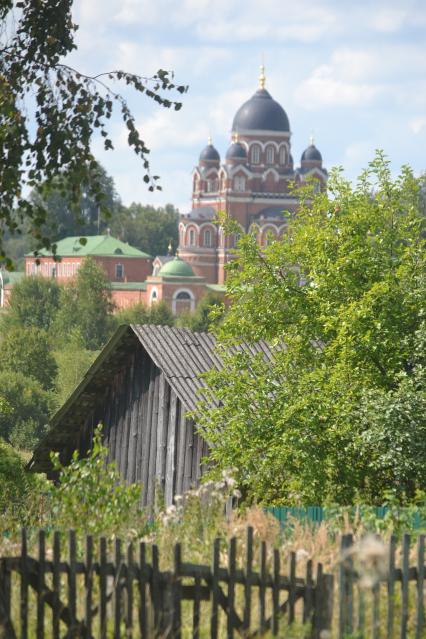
point(323, 88)
point(417, 125)
point(388, 19)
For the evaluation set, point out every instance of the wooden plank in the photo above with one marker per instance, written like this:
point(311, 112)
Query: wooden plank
point(262, 588)
point(153, 445)
point(155, 588)
point(214, 618)
point(376, 610)
point(56, 584)
point(117, 589)
point(196, 609)
point(103, 588)
point(143, 381)
point(143, 625)
point(125, 422)
point(308, 593)
point(129, 591)
point(147, 433)
point(248, 578)
point(40, 583)
point(391, 587)
point(420, 613)
point(292, 588)
point(72, 587)
point(7, 630)
point(180, 456)
point(177, 612)
point(189, 449)
point(163, 413)
point(134, 431)
point(404, 585)
point(23, 610)
point(171, 450)
point(276, 593)
point(88, 578)
point(361, 611)
point(230, 604)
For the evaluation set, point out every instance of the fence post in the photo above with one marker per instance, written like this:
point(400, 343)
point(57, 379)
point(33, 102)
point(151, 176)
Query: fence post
point(345, 587)
point(6, 627)
point(324, 594)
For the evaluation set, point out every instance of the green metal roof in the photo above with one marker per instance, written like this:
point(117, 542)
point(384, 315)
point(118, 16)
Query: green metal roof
point(176, 268)
point(128, 286)
point(102, 245)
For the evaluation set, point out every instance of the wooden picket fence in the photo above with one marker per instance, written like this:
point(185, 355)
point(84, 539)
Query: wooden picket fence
point(393, 604)
point(125, 595)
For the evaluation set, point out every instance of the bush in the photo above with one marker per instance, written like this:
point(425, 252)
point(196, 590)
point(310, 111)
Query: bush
point(29, 408)
point(90, 497)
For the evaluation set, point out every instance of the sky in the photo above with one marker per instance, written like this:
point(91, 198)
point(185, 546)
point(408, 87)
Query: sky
point(353, 74)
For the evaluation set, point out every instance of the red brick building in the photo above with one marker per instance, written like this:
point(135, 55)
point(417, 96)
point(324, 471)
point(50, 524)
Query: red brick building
point(252, 185)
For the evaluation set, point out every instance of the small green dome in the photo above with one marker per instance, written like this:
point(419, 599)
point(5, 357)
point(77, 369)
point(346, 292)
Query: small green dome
point(176, 268)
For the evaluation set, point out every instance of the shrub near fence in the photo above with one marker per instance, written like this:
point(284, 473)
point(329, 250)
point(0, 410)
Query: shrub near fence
point(128, 595)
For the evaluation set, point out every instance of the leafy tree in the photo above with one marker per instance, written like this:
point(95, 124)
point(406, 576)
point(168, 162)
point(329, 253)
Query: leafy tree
point(73, 361)
point(29, 404)
point(27, 351)
point(66, 217)
point(33, 302)
point(345, 391)
point(158, 313)
point(14, 481)
point(148, 228)
point(50, 111)
point(86, 306)
point(207, 315)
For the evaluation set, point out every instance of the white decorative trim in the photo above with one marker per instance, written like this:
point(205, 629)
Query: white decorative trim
point(271, 170)
point(240, 167)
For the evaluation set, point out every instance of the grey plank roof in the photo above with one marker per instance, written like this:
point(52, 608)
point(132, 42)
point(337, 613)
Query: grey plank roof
point(181, 354)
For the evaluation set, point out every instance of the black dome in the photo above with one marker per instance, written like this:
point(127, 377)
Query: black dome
point(311, 154)
point(209, 153)
point(236, 151)
point(261, 112)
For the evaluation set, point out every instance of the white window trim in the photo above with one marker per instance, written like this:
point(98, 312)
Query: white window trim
point(174, 299)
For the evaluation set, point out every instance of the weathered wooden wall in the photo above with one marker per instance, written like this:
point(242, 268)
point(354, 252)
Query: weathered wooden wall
point(146, 431)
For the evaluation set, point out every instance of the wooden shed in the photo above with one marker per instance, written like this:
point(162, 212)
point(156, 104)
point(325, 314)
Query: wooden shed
point(141, 387)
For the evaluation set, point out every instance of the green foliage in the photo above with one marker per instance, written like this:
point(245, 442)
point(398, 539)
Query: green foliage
point(29, 407)
point(50, 111)
point(339, 415)
point(85, 306)
point(159, 313)
point(67, 217)
point(208, 314)
point(148, 228)
point(73, 361)
point(15, 482)
point(33, 302)
point(89, 496)
point(27, 351)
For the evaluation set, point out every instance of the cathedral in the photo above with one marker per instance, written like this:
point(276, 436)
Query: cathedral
point(251, 185)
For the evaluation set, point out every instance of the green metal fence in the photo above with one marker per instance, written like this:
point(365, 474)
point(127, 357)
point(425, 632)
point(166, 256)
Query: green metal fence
point(416, 519)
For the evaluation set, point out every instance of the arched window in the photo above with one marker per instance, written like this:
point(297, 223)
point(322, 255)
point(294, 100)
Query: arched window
point(154, 295)
point(207, 237)
point(240, 183)
point(270, 155)
point(183, 300)
point(282, 155)
point(255, 154)
point(192, 237)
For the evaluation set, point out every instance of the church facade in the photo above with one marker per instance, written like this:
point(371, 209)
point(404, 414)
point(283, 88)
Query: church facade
point(251, 185)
